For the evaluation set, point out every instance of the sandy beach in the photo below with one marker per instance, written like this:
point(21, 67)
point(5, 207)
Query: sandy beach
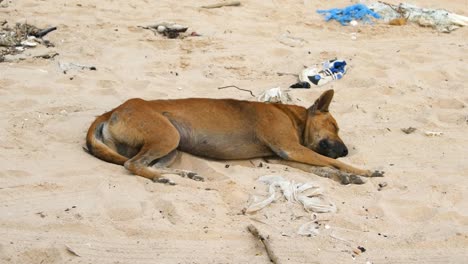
point(59, 204)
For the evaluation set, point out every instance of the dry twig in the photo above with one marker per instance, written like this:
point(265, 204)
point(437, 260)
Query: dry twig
point(233, 86)
point(266, 243)
point(218, 5)
point(71, 251)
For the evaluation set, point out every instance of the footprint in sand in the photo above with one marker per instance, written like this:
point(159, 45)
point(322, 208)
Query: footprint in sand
point(124, 211)
point(15, 173)
point(107, 83)
point(450, 117)
point(453, 118)
point(418, 212)
point(449, 103)
point(105, 87)
point(39, 255)
point(167, 211)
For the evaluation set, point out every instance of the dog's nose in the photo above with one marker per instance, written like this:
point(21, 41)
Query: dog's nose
point(345, 151)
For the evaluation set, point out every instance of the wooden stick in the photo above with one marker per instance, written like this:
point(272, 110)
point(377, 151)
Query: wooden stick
point(72, 251)
point(266, 243)
point(233, 86)
point(218, 5)
point(49, 55)
point(44, 32)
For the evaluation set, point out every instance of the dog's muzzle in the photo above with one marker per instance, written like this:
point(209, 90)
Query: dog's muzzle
point(332, 149)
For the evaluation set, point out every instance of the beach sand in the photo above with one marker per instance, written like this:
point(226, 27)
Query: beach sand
point(55, 199)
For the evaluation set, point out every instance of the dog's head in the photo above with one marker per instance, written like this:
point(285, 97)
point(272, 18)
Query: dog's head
point(321, 131)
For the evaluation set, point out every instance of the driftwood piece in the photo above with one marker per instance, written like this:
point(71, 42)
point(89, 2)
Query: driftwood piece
point(43, 32)
point(233, 86)
point(222, 4)
point(266, 243)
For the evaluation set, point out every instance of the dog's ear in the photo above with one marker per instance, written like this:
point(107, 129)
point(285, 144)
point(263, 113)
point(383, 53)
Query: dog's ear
point(323, 102)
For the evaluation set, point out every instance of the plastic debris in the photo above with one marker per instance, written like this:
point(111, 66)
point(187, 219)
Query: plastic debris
point(408, 130)
point(168, 29)
point(433, 133)
point(14, 40)
point(67, 66)
point(350, 13)
point(439, 19)
point(331, 70)
point(274, 95)
point(310, 195)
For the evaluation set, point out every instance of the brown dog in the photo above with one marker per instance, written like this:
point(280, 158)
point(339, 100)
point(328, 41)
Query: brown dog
point(144, 136)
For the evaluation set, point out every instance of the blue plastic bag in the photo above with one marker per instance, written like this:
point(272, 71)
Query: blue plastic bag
point(347, 14)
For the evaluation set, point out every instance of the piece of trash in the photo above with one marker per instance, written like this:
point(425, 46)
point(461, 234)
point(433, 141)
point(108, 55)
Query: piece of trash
point(15, 40)
point(346, 15)
point(195, 34)
point(49, 55)
point(438, 19)
point(218, 5)
point(433, 133)
point(29, 42)
point(362, 249)
point(168, 29)
point(327, 227)
point(382, 185)
point(408, 130)
point(42, 32)
point(67, 66)
point(310, 195)
point(41, 214)
point(331, 70)
point(309, 229)
point(274, 95)
point(71, 251)
point(398, 21)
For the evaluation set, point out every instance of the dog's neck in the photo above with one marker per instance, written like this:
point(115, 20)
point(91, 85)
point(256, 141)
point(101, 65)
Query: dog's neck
point(298, 116)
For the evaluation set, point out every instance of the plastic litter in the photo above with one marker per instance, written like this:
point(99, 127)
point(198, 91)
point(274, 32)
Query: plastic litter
point(439, 19)
point(274, 95)
point(309, 195)
point(168, 29)
point(347, 14)
point(433, 133)
point(67, 66)
point(331, 70)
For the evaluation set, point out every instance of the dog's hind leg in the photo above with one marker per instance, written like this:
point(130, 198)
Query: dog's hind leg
point(152, 161)
point(163, 164)
point(155, 138)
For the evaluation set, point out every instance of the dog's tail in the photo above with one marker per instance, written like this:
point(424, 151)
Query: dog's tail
point(95, 142)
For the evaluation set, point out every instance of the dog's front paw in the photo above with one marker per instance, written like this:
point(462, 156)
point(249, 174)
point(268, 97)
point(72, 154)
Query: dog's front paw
point(194, 176)
point(346, 179)
point(164, 181)
point(354, 179)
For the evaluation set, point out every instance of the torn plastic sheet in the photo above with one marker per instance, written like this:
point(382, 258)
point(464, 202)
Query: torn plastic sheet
point(439, 19)
point(309, 195)
point(274, 95)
